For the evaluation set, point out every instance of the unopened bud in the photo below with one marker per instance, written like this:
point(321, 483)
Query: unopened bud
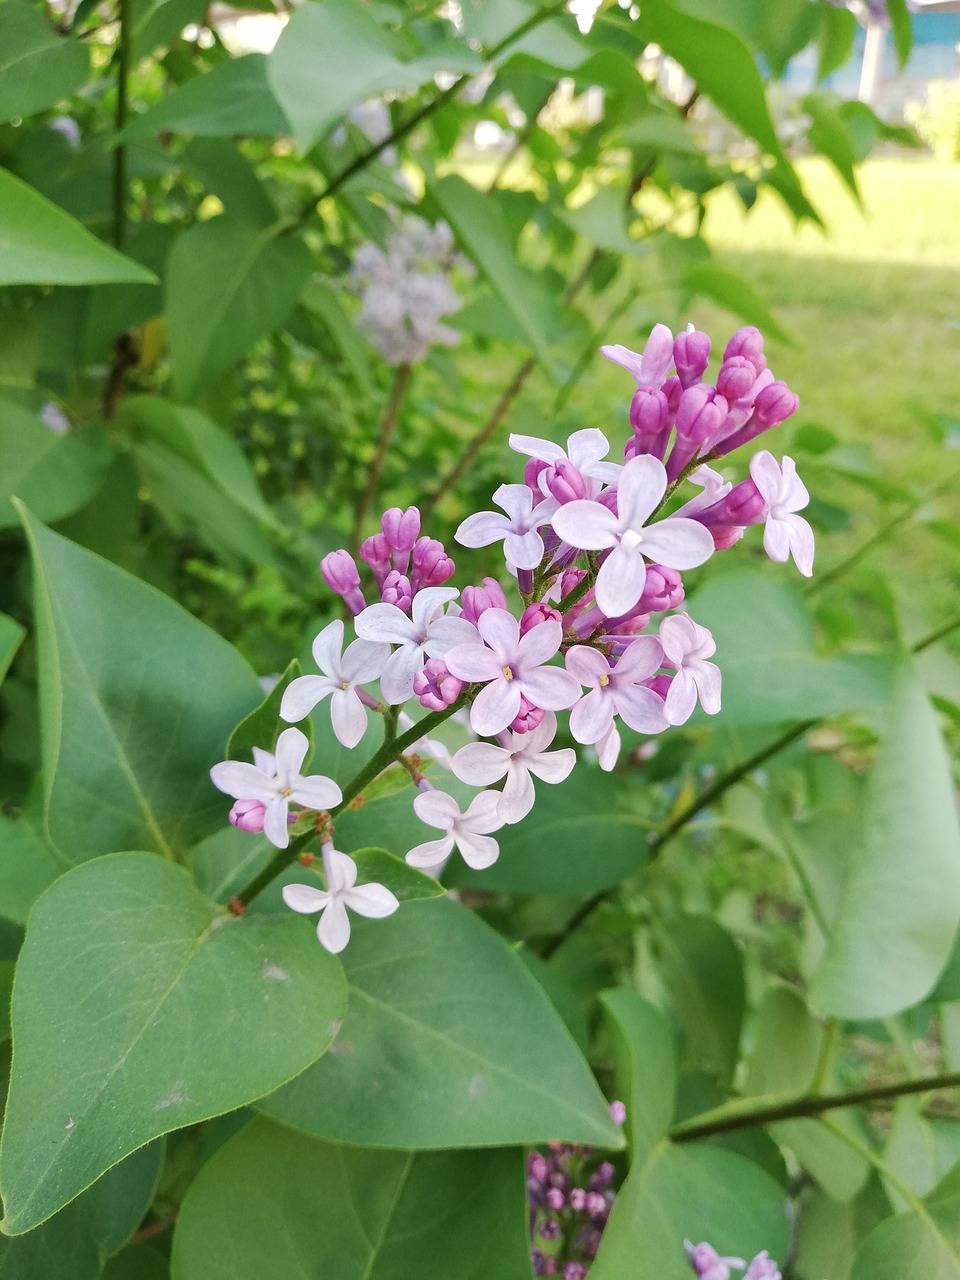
point(691, 355)
point(401, 528)
point(431, 564)
point(476, 600)
point(435, 686)
point(397, 590)
point(341, 575)
point(649, 415)
point(747, 342)
point(536, 613)
point(737, 375)
point(662, 589)
point(527, 718)
point(564, 482)
point(248, 815)
point(375, 553)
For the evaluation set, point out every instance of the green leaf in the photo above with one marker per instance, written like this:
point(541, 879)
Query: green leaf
point(689, 1193)
point(53, 474)
point(37, 68)
point(603, 221)
point(918, 1151)
point(11, 637)
point(228, 284)
point(321, 301)
point(137, 1262)
point(902, 24)
point(91, 1083)
point(261, 727)
point(645, 1067)
point(332, 56)
point(703, 968)
point(830, 136)
point(273, 1204)
point(448, 1041)
point(771, 671)
point(481, 229)
point(786, 1045)
point(6, 987)
point(226, 172)
point(730, 290)
point(234, 98)
point(921, 1245)
point(203, 444)
point(160, 22)
point(226, 862)
point(28, 865)
point(578, 839)
point(830, 1160)
point(40, 244)
point(900, 906)
point(837, 35)
point(136, 700)
point(408, 884)
point(76, 1242)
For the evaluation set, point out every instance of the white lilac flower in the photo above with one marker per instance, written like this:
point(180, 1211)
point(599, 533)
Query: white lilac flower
point(469, 831)
point(481, 763)
point(616, 690)
point(519, 528)
point(426, 633)
point(276, 790)
point(649, 368)
point(785, 533)
point(52, 416)
point(675, 542)
point(333, 928)
point(763, 1267)
point(343, 674)
point(686, 646)
point(608, 749)
point(708, 1264)
point(511, 667)
point(713, 488)
point(585, 449)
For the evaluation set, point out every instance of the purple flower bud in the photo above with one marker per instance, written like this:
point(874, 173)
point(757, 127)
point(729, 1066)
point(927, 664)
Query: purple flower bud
point(578, 1199)
point(436, 687)
point(531, 475)
point(536, 613)
point(743, 505)
point(591, 1245)
point(597, 1206)
point(397, 590)
point(700, 416)
point(528, 717)
point(555, 1199)
point(673, 389)
point(431, 564)
point(618, 1112)
point(763, 1267)
point(603, 1177)
point(375, 553)
point(725, 538)
point(341, 575)
point(691, 355)
point(747, 342)
point(564, 482)
point(248, 815)
point(737, 375)
point(663, 589)
point(550, 1267)
point(574, 1271)
point(774, 403)
point(549, 1229)
point(539, 1261)
point(649, 415)
point(476, 600)
point(401, 528)
point(537, 1167)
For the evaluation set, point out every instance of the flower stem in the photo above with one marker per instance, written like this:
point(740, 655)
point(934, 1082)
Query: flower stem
point(388, 426)
point(120, 120)
point(809, 1105)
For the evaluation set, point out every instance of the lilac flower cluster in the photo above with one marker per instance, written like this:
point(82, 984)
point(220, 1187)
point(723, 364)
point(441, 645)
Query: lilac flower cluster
point(709, 1265)
point(405, 291)
point(597, 549)
point(570, 1202)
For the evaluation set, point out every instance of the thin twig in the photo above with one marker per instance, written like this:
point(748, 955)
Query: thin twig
point(388, 425)
point(808, 1106)
point(120, 151)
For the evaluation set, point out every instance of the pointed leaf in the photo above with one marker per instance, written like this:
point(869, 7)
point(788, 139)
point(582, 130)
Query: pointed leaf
point(234, 98)
point(646, 1068)
point(37, 68)
point(206, 1013)
point(921, 1245)
point(136, 699)
point(11, 637)
point(448, 1041)
point(55, 475)
point(272, 1204)
point(40, 244)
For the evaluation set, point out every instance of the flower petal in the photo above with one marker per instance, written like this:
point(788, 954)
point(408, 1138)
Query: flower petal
point(396, 682)
point(431, 853)
point(428, 604)
point(620, 581)
point(478, 852)
point(473, 662)
point(436, 809)
point(802, 544)
point(587, 447)
point(678, 543)
point(592, 716)
point(681, 698)
point(480, 763)
point(495, 706)
point(640, 660)
point(327, 647)
point(304, 898)
point(766, 475)
point(302, 695)
point(339, 869)
point(586, 665)
point(482, 529)
point(586, 524)
point(708, 678)
point(316, 792)
point(518, 795)
point(641, 709)
point(537, 739)
point(447, 631)
point(534, 447)
point(776, 540)
point(333, 929)
point(608, 749)
point(794, 495)
point(551, 766)
point(523, 550)
point(364, 660)
point(348, 717)
point(501, 631)
point(243, 781)
point(384, 623)
point(642, 484)
point(372, 900)
point(292, 748)
point(550, 688)
point(275, 822)
point(539, 644)
point(482, 815)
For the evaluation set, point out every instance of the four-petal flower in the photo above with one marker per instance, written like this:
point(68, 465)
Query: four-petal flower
point(333, 928)
point(481, 763)
point(585, 449)
point(519, 528)
point(276, 791)
point(616, 689)
point(342, 673)
point(427, 633)
point(785, 533)
point(686, 646)
point(675, 542)
point(469, 831)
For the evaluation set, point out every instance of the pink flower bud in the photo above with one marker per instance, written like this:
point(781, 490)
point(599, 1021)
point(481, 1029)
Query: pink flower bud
point(673, 390)
point(401, 528)
point(476, 600)
point(737, 375)
point(618, 1112)
point(564, 482)
point(691, 355)
point(747, 342)
point(774, 403)
point(659, 684)
point(663, 589)
point(603, 1176)
point(435, 686)
point(431, 564)
point(248, 815)
point(723, 539)
point(743, 505)
point(578, 1199)
point(397, 590)
point(555, 1199)
point(649, 415)
point(700, 415)
point(531, 475)
point(597, 1206)
point(375, 553)
point(528, 717)
point(341, 575)
point(536, 613)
